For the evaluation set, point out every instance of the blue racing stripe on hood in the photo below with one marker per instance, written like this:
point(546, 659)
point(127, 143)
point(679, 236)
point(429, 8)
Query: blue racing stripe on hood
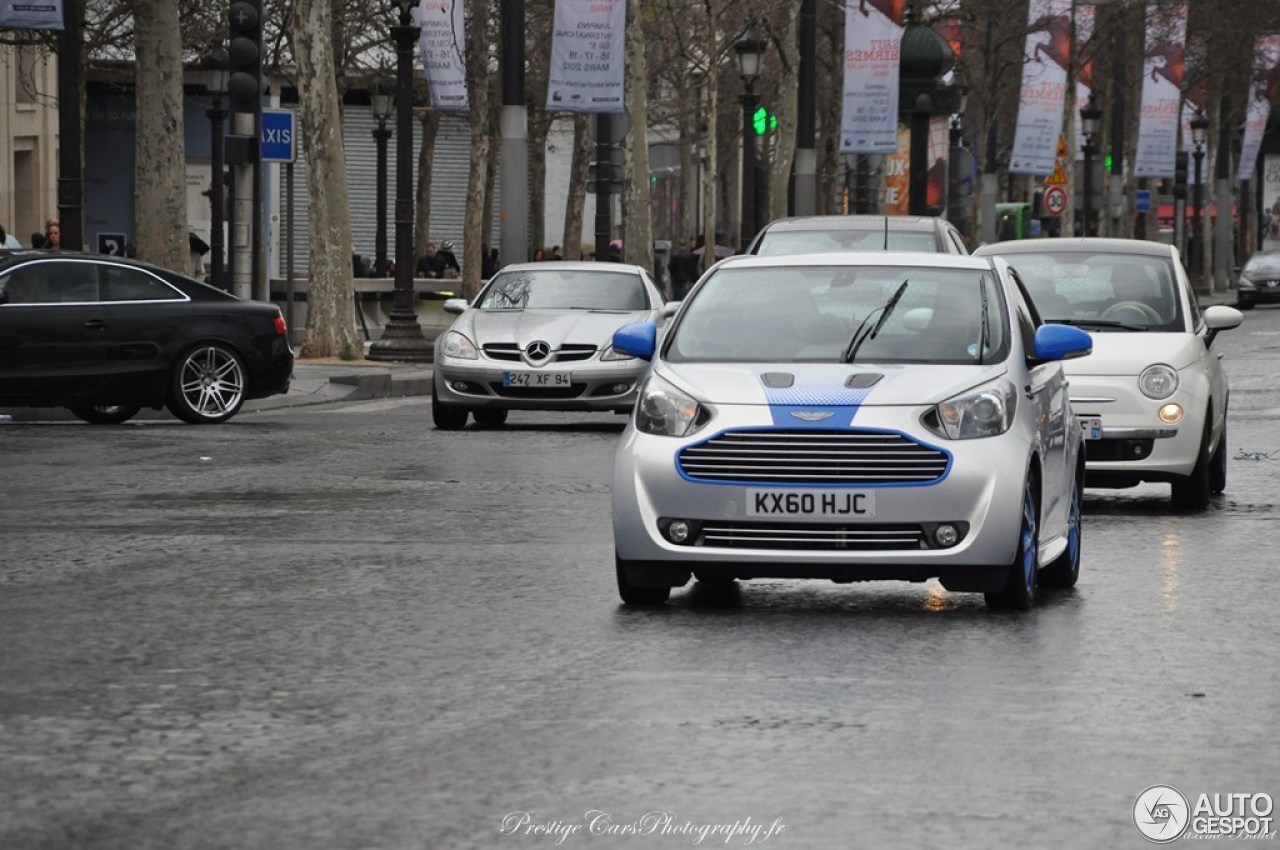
point(803, 404)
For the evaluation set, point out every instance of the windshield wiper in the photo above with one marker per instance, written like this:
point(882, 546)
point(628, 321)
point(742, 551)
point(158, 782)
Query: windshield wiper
point(1098, 323)
point(860, 334)
point(982, 336)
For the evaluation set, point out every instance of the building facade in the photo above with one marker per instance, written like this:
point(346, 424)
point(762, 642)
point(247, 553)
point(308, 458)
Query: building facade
point(28, 139)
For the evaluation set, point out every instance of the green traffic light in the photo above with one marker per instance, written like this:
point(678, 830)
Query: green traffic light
point(759, 120)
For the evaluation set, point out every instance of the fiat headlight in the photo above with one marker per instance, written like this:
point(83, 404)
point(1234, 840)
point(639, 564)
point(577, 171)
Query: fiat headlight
point(986, 412)
point(664, 410)
point(457, 345)
point(612, 353)
point(1158, 381)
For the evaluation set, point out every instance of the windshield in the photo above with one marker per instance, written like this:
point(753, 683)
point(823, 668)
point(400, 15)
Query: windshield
point(778, 242)
point(585, 289)
point(812, 313)
point(1121, 292)
point(1263, 264)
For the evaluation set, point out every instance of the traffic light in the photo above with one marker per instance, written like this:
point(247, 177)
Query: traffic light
point(1180, 176)
point(762, 121)
point(245, 83)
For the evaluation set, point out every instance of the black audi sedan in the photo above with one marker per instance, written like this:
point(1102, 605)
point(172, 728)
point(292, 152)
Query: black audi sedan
point(106, 337)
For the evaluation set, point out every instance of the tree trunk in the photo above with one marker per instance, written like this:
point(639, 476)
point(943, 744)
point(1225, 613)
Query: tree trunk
point(539, 127)
point(160, 172)
point(579, 171)
point(422, 205)
point(637, 223)
point(786, 107)
point(480, 14)
point(710, 187)
point(331, 328)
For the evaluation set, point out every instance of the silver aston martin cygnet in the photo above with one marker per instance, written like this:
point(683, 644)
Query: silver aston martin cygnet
point(852, 417)
point(537, 338)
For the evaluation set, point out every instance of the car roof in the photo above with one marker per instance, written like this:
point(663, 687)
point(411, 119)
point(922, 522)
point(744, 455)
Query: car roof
point(13, 256)
point(906, 259)
point(1077, 245)
point(855, 222)
point(573, 265)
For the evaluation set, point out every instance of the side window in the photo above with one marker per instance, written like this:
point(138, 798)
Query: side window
point(1025, 315)
point(52, 283)
point(1196, 318)
point(125, 284)
point(26, 285)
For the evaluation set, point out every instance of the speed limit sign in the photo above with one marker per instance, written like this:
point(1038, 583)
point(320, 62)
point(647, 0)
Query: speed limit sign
point(1055, 200)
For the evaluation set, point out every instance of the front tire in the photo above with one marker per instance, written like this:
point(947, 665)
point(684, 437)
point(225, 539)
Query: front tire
point(104, 414)
point(1019, 591)
point(1192, 493)
point(447, 417)
point(208, 385)
point(1065, 569)
point(635, 594)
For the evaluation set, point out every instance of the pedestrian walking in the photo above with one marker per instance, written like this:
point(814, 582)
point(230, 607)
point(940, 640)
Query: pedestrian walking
point(683, 267)
point(8, 240)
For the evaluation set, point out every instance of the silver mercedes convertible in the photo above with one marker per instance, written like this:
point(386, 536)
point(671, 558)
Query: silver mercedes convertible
point(538, 338)
point(852, 417)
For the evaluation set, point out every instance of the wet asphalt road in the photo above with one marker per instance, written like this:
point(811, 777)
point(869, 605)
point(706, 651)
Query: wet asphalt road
point(334, 627)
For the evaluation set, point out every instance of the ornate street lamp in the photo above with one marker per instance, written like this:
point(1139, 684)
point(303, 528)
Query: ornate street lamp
point(381, 101)
point(926, 57)
point(217, 70)
point(402, 337)
point(1090, 118)
point(750, 48)
point(1199, 135)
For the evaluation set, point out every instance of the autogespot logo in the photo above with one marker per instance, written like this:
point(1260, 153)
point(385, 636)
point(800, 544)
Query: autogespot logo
point(1161, 814)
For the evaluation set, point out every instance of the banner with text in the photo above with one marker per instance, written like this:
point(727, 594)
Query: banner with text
point(588, 57)
point(1163, 72)
point(1084, 71)
point(441, 44)
point(1044, 87)
point(1262, 93)
point(872, 42)
point(31, 14)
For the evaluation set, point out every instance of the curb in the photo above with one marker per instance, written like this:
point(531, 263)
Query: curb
point(366, 386)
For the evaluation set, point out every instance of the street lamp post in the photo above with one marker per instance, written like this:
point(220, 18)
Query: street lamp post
point(1199, 133)
point(750, 49)
point(1090, 118)
point(216, 70)
point(381, 133)
point(402, 337)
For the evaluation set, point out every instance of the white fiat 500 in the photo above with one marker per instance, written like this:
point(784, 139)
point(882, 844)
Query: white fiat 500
point(1153, 396)
point(851, 417)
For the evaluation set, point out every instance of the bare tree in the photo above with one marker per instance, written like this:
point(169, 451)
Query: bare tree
point(430, 120)
point(481, 18)
point(330, 292)
point(160, 179)
point(781, 152)
point(579, 171)
point(637, 218)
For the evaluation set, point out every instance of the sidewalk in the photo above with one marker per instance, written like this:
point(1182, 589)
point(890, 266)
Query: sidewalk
point(328, 380)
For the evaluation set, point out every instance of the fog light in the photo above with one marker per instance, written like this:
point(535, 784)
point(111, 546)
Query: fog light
point(619, 389)
point(678, 531)
point(1171, 414)
point(459, 386)
point(946, 535)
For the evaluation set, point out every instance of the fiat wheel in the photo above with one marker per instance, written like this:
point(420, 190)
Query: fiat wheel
point(208, 385)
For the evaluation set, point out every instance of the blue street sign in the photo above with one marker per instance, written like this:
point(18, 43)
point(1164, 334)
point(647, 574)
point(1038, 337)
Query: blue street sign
point(279, 137)
point(1142, 201)
point(111, 243)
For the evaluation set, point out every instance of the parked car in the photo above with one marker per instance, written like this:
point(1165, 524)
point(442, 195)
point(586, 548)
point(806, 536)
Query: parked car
point(106, 337)
point(825, 234)
point(1153, 396)
point(851, 417)
point(538, 338)
point(1259, 281)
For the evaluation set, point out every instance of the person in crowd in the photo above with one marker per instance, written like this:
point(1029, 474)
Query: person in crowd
point(8, 240)
point(555, 253)
point(37, 240)
point(53, 235)
point(431, 264)
point(451, 267)
point(490, 265)
point(683, 267)
point(539, 255)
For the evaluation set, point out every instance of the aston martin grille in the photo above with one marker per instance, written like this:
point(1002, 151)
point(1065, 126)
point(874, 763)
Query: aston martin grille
point(768, 535)
point(814, 457)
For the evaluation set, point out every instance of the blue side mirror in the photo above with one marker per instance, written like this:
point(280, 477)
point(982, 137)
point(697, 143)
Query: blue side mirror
point(1061, 342)
point(636, 340)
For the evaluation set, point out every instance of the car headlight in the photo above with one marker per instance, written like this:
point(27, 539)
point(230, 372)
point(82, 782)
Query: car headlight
point(1245, 283)
point(664, 410)
point(610, 354)
point(1158, 381)
point(457, 345)
point(986, 412)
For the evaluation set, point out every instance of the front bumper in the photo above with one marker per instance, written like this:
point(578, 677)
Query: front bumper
point(980, 494)
point(1261, 292)
point(1136, 445)
point(595, 385)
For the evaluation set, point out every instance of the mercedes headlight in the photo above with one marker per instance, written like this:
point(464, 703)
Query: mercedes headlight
point(664, 410)
point(986, 412)
point(1158, 381)
point(457, 345)
point(611, 353)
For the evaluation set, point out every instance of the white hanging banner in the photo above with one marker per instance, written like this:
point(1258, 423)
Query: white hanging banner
point(1162, 78)
point(1265, 86)
point(588, 57)
point(442, 43)
point(1044, 87)
point(31, 14)
point(872, 43)
point(1084, 71)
